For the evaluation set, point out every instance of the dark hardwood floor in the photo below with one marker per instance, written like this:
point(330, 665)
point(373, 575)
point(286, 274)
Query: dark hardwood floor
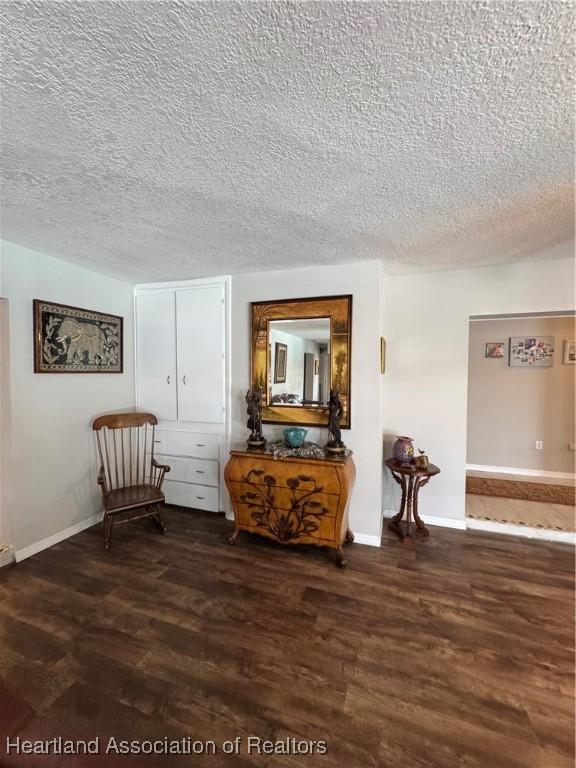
point(453, 653)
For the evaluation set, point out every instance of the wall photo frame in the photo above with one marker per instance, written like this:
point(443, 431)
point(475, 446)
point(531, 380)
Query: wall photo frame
point(531, 352)
point(280, 362)
point(494, 349)
point(569, 352)
point(70, 339)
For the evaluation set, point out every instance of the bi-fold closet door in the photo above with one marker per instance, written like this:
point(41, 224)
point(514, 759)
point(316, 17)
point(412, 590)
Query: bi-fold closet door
point(181, 354)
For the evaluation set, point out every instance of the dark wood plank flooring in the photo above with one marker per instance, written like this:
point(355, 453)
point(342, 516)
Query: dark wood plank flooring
point(456, 652)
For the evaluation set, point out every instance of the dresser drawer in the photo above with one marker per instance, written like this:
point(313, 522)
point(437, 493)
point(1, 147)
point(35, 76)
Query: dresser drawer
point(303, 498)
point(283, 473)
point(191, 495)
point(193, 444)
point(200, 471)
point(286, 526)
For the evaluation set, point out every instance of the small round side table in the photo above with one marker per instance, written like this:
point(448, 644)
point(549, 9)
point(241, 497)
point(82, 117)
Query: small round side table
point(410, 479)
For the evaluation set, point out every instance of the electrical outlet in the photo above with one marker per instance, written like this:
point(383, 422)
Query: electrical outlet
point(538, 445)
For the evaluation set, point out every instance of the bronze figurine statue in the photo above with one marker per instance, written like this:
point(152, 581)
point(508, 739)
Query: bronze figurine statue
point(254, 423)
point(334, 444)
point(421, 462)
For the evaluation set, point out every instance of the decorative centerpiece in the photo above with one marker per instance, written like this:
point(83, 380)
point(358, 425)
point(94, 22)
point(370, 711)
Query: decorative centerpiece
point(254, 423)
point(294, 436)
point(334, 444)
point(403, 450)
point(279, 449)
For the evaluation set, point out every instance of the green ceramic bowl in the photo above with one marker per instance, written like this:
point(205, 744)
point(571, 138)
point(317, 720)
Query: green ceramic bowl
point(294, 436)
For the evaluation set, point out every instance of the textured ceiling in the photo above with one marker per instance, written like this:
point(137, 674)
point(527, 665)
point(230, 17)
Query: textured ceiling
point(157, 140)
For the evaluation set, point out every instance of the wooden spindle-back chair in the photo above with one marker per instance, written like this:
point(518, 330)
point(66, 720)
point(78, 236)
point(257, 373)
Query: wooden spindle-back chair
point(129, 476)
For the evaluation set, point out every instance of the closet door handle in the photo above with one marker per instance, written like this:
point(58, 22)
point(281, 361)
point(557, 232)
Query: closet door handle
point(184, 379)
point(167, 379)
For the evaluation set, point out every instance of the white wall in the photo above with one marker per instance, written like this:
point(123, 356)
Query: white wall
point(53, 479)
point(425, 321)
point(363, 280)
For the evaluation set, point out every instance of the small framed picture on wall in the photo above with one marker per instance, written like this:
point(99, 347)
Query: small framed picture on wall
point(569, 352)
point(280, 362)
point(494, 349)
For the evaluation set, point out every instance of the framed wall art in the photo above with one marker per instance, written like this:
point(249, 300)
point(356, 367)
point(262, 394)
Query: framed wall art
point(280, 360)
point(569, 352)
point(74, 340)
point(531, 351)
point(494, 349)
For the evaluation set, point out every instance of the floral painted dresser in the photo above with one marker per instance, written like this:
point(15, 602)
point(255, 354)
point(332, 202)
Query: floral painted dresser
point(292, 500)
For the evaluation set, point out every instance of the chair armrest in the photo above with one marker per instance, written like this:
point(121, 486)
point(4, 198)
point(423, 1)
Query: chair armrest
point(165, 467)
point(102, 481)
point(160, 471)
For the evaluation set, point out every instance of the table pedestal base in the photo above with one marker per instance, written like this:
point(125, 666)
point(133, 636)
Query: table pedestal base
point(408, 531)
point(407, 524)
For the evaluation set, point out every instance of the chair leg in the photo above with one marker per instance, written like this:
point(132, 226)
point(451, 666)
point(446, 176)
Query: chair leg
point(159, 522)
point(108, 525)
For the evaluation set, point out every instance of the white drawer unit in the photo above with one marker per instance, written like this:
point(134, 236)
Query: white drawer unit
point(199, 471)
point(194, 476)
point(181, 443)
point(191, 495)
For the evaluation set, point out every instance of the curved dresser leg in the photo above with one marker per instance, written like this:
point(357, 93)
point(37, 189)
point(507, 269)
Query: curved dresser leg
point(233, 536)
point(341, 561)
point(349, 539)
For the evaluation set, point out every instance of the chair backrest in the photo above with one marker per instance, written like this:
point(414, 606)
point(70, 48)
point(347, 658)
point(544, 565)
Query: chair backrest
point(125, 443)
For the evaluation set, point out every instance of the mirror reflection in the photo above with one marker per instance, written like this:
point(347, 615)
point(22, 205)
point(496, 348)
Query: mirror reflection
point(299, 362)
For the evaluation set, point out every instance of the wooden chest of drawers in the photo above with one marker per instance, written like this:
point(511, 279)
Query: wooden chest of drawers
point(291, 500)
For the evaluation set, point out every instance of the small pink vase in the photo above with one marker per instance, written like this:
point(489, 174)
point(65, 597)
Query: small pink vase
point(403, 449)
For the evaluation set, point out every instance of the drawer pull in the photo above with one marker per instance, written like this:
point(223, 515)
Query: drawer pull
point(157, 441)
point(200, 497)
point(199, 471)
point(200, 445)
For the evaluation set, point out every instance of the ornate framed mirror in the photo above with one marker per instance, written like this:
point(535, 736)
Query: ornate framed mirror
point(300, 350)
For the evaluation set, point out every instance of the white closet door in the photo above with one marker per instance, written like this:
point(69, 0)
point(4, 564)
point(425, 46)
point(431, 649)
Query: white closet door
point(201, 341)
point(156, 354)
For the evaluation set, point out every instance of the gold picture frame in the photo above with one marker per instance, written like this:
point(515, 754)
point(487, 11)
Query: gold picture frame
point(338, 309)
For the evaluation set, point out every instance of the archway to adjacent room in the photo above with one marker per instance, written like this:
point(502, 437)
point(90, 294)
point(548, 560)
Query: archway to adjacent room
point(521, 446)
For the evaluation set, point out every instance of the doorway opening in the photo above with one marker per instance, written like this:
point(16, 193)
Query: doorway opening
point(521, 446)
point(5, 528)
